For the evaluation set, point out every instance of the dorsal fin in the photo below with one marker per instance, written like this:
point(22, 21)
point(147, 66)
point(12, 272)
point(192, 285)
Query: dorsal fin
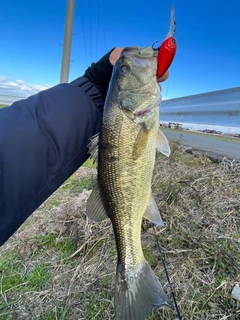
point(93, 148)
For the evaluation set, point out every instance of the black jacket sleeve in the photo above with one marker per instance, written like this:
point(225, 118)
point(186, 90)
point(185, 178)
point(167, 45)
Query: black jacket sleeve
point(43, 140)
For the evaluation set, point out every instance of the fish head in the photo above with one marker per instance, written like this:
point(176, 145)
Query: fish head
point(135, 83)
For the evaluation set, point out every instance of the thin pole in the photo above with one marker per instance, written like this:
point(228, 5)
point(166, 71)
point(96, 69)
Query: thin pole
point(67, 42)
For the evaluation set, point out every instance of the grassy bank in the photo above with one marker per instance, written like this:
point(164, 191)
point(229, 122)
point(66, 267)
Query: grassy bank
point(60, 265)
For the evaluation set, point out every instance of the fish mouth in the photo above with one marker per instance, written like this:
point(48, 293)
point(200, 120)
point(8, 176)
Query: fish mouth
point(146, 52)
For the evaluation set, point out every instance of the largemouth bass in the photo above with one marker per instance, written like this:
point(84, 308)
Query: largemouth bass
point(125, 152)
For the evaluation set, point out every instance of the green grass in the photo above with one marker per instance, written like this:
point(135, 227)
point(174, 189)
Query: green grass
point(65, 246)
point(95, 307)
point(21, 277)
point(11, 272)
point(75, 185)
point(54, 203)
point(38, 278)
point(58, 313)
point(89, 164)
point(16, 276)
point(150, 257)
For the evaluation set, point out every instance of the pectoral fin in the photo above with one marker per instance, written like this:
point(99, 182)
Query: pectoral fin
point(162, 144)
point(94, 209)
point(141, 142)
point(93, 148)
point(152, 213)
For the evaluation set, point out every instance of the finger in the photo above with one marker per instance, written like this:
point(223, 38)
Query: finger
point(163, 77)
point(115, 54)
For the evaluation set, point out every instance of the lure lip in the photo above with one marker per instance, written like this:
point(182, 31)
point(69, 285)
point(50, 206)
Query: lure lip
point(172, 27)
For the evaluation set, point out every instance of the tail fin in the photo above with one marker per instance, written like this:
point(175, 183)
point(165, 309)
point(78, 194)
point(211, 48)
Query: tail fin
point(137, 290)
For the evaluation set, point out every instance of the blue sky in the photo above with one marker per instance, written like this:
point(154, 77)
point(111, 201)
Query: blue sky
point(207, 58)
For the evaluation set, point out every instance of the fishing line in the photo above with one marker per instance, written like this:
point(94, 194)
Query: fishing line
point(84, 38)
point(98, 18)
point(166, 272)
point(103, 30)
point(167, 87)
point(90, 23)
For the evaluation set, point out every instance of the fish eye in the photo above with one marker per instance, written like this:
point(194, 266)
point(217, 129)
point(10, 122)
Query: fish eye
point(124, 68)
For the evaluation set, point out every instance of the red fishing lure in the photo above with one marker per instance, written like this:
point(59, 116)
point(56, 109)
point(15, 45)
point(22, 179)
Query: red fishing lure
point(167, 50)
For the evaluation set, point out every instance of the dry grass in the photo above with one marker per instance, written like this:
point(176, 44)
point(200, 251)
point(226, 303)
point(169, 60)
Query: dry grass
point(60, 265)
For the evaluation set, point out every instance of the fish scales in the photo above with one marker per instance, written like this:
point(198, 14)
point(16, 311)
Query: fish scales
point(125, 183)
point(126, 156)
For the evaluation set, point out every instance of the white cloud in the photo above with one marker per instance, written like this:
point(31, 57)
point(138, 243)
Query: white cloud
point(19, 88)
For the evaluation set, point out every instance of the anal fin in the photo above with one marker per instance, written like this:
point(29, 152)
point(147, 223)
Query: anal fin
point(152, 213)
